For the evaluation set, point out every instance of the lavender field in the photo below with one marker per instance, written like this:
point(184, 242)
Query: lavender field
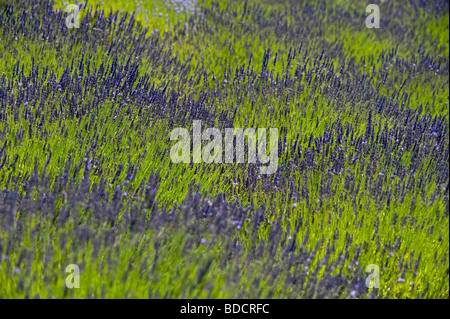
point(358, 203)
